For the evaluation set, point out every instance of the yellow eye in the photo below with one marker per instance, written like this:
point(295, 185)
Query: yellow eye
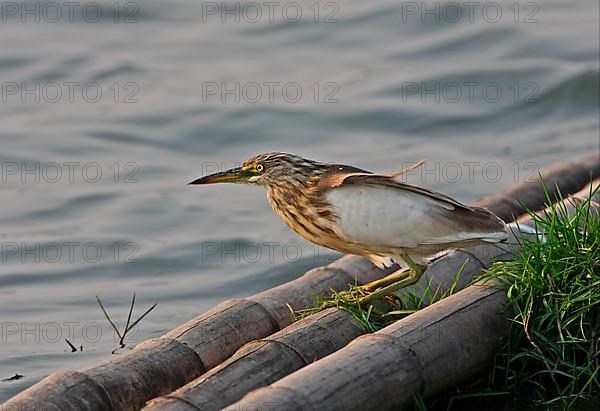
point(260, 168)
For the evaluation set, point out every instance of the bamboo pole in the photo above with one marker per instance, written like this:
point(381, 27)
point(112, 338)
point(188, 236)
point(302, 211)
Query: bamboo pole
point(129, 380)
point(423, 353)
point(513, 202)
point(159, 366)
point(260, 363)
point(264, 361)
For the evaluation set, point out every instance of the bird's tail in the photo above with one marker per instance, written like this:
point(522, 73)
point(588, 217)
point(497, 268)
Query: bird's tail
point(517, 228)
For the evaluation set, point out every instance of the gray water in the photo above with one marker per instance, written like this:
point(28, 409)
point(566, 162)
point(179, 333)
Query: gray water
point(104, 122)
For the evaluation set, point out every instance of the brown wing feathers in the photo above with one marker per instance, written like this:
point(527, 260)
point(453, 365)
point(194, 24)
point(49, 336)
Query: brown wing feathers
point(461, 216)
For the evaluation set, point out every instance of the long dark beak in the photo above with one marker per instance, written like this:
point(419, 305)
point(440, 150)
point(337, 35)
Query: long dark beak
point(234, 175)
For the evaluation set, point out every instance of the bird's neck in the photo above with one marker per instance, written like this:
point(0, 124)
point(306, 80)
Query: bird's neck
point(291, 199)
point(300, 207)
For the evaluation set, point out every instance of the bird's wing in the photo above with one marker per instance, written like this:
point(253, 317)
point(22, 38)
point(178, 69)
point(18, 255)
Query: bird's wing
point(388, 181)
point(407, 169)
point(376, 209)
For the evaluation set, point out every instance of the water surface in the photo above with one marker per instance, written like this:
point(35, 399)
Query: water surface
point(94, 189)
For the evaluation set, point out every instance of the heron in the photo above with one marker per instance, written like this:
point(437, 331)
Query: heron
point(358, 212)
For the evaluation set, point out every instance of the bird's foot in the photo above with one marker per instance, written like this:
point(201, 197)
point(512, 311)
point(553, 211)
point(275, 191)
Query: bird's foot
point(392, 283)
point(355, 297)
point(385, 281)
point(377, 290)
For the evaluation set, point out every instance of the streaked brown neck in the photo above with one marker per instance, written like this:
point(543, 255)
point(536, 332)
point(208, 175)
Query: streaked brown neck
point(301, 205)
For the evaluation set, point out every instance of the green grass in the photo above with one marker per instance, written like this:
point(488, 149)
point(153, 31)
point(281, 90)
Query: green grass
point(369, 318)
point(552, 357)
point(553, 288)
point(374, 317)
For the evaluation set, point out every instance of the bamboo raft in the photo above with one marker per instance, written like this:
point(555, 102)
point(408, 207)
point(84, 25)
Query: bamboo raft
point(196, 351)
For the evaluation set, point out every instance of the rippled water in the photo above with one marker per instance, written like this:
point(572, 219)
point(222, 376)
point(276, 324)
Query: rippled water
point(103, 124)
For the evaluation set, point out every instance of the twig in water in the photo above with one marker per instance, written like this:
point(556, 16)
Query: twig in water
point(73, 348)
point(128, 326)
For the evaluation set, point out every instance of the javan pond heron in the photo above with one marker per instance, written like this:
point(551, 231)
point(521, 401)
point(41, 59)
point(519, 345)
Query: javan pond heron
point(358, 212)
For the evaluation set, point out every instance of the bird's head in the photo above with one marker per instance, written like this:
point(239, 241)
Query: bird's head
point(268, 169)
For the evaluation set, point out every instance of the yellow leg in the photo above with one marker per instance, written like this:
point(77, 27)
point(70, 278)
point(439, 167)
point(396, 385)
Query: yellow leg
point(401, 279)
point(387, 280)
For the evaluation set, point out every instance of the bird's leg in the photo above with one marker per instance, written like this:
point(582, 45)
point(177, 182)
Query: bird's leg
point(387, 280)
point(392, 278)
point(405, 278)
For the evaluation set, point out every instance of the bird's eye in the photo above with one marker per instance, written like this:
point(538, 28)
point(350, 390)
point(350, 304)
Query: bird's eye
point(260, 168)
